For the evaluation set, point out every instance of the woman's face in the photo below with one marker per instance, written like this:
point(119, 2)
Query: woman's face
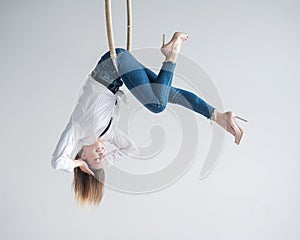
point(93, 154)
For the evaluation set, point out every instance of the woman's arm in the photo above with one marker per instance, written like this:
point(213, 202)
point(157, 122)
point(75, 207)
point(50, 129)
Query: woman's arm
point(124, 145)
point(61, 156)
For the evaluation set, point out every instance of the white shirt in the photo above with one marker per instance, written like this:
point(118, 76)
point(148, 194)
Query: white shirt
point(90, 117)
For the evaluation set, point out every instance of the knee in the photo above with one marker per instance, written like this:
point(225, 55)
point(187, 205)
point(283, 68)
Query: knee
point(107, 55)
point(122, 54)
point(160, 108)
point(120, 50)
point(155, 108)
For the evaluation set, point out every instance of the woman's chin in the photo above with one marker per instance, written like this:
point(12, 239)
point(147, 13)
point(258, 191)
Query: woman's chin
point(98, 166)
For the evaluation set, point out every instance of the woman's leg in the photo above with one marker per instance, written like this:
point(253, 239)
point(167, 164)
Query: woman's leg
point(154, 95)
point(195, 103)
point(191, 101)
point(185, 98)
point(155, 91)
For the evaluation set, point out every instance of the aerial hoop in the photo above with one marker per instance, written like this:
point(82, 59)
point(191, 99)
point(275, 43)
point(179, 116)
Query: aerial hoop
point(109, 29)
point(129, 25)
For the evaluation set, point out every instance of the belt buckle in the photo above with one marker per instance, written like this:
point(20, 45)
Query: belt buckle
point(116, 89)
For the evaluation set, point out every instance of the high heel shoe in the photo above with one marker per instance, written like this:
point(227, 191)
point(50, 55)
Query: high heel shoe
point(172, 48)
point(229, 117)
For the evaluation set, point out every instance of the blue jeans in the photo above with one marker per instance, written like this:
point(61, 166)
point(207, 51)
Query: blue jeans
point(152, 90)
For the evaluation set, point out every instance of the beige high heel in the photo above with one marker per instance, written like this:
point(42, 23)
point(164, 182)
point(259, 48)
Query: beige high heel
point(229, 117)
point(171, 49)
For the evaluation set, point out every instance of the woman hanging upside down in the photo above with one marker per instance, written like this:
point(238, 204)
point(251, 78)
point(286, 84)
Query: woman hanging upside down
point(95, 117)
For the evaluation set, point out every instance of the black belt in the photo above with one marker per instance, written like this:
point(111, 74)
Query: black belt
point(113, 87)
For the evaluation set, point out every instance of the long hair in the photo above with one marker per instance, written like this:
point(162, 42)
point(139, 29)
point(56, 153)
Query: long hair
point(88, 190)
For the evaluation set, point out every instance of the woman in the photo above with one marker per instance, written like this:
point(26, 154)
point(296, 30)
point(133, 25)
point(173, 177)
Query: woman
point(95, 117)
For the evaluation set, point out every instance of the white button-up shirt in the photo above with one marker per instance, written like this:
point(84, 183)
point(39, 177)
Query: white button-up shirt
point(90, 117)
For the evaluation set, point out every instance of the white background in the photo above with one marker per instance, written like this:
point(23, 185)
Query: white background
point(251, 51)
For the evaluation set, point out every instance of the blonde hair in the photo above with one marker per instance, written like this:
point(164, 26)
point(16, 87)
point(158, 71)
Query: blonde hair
point(88, 190)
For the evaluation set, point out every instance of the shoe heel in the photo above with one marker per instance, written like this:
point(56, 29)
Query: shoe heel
point(241, 118)
point(164, 39)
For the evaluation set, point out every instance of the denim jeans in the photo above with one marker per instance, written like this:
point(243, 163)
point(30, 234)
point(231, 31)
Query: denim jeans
point(152, 90)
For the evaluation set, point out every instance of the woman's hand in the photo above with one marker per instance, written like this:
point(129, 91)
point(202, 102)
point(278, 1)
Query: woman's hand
point(83, 166)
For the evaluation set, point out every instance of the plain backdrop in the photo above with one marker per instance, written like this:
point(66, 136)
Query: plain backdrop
point(251, 51)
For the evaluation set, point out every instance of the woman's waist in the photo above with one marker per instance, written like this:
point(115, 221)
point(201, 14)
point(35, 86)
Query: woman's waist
point(111, 81)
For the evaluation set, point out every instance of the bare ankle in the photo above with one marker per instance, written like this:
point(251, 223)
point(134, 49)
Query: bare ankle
point(171, 59)
point(214, 115)
point(217, 116)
